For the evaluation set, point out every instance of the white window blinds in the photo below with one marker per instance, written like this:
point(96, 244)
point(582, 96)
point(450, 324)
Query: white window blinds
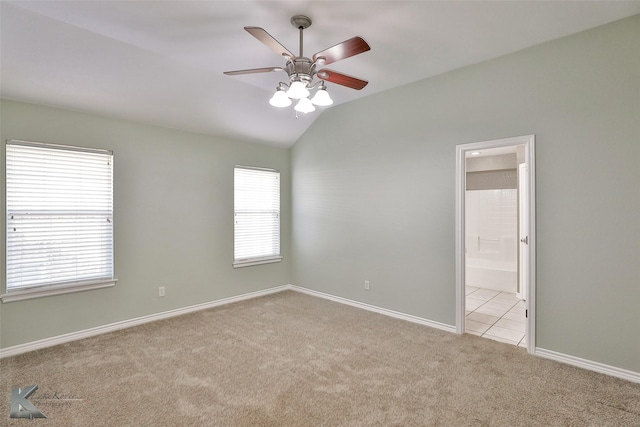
point(59, 215)
point(256, 215)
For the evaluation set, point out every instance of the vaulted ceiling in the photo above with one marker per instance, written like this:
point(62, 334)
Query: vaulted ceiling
point(162, 62)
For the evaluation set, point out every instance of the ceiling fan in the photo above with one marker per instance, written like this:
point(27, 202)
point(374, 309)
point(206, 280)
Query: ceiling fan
point(301, 70)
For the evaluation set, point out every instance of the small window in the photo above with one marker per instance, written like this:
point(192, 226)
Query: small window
point(59, 219)
point(256, 216)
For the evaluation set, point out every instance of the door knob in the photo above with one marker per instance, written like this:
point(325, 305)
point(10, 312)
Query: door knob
point(525, 240)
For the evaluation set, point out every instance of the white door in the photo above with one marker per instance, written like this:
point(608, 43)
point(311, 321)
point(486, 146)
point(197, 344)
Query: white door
point(523, 209)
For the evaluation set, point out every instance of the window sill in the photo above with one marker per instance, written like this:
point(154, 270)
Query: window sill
point(46, 291)
point(256, 261)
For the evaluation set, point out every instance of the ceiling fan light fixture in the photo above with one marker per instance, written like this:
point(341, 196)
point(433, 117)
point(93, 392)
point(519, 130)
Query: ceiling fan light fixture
point(298, 90)
point(280, 98)
point(304, 106)
point(322, 98)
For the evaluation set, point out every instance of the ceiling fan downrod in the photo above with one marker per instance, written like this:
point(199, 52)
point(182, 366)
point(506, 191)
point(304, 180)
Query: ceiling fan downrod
point(301, 22)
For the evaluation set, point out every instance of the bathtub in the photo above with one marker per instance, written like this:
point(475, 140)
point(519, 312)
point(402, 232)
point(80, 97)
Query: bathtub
point(490, 274)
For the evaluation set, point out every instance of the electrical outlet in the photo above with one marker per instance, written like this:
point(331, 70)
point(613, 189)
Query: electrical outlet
point(161, 291)
point(366, 285)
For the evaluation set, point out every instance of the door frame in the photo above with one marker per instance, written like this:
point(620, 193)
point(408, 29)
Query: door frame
point(461, 150)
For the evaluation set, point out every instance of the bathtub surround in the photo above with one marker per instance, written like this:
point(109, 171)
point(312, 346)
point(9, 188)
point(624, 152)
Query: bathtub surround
point(492, 239)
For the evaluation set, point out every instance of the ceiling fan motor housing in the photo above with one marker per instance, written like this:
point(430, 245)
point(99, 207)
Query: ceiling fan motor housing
point(302, 68)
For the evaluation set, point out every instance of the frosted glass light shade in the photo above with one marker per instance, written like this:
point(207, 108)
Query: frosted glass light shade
point(304, 106)
point(298, 90)
point(322, 98)
point(280, 99)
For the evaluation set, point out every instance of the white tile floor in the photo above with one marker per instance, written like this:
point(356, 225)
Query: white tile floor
point(495, 315)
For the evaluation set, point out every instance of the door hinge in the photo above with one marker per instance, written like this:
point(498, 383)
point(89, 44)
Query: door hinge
point(526, 313)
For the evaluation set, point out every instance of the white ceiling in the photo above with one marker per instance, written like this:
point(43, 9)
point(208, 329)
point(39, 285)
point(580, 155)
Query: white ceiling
point(161, 62)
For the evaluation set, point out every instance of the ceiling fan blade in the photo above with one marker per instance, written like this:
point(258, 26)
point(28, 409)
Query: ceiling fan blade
point(269, 41)
point(253, 71)
point(347, 48)
point(341, 79)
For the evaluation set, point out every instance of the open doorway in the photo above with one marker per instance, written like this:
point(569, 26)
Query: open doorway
point(495, 240)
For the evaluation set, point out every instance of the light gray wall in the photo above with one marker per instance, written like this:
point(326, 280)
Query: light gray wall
point(373, 189)
point(173, 201)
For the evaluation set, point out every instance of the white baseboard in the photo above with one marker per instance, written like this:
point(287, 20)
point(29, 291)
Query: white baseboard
point(73, 336)
point(375, 309)
point(86, 333)
point(548, 354)
point(588, 364)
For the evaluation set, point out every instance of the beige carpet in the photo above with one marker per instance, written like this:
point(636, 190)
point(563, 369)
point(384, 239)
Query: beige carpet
point(294, 360)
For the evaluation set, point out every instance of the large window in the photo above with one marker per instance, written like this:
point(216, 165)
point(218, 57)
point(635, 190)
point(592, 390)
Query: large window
point(256, 216)
point(59, 219)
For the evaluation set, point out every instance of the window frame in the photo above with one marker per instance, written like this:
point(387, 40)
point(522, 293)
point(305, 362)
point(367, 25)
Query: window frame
point(18, 293)
point(261, 259)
